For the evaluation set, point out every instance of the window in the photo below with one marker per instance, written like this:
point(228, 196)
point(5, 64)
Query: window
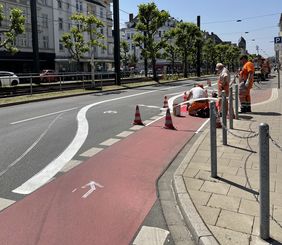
point(23, 40)
point(45, 2)
point(61, 46)
point(160, 33)
point(59, 4)
point(78, 5)
point(45, 20)
point(45, 42)
point(60, 24)
point(101, 12)
point(102, 30)
point(110, 32)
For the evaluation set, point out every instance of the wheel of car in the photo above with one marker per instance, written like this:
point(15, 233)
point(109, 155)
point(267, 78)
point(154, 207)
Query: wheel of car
point(14, 83)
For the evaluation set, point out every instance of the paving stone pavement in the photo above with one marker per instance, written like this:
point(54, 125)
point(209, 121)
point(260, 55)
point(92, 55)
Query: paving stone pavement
point(225, 210)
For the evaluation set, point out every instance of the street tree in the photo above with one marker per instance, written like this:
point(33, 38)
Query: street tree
point(186, 36)
point(150, 19)
point(124, 49)
point(233, 54)
point(209, 54)
point(76, 43)
point(15, 27)
point(171, 53)
point(133, 60)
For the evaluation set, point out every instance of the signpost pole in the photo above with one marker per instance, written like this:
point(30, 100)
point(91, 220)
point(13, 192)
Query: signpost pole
point(278, 47)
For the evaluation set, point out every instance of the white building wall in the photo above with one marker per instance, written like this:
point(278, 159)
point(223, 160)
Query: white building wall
point(63, 24)
point(45, 28)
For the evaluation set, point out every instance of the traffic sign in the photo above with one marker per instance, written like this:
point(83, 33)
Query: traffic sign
point(278, 40)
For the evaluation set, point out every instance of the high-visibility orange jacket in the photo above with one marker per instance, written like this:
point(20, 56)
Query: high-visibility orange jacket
point(248, 68)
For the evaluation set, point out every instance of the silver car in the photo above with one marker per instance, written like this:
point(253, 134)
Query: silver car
point(8, 79)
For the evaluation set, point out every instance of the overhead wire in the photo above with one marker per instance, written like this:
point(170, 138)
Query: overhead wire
point(240, 19)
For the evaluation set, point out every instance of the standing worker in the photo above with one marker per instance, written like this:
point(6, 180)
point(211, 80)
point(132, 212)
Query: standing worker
point(222, 83)
point(246, 81)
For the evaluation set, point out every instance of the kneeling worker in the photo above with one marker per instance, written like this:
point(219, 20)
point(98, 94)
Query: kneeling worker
point(200, 105)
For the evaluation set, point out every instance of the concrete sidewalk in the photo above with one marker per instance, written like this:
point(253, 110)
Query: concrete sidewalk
point(226, 210)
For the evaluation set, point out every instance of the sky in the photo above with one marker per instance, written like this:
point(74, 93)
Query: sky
point(259, 23)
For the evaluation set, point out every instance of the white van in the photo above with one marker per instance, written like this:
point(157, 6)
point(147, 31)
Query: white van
point(8, 79)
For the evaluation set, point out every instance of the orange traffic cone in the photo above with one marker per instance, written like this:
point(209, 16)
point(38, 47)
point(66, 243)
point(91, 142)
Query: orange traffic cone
point(165, 102)
point(137, 120)
point(168, 121)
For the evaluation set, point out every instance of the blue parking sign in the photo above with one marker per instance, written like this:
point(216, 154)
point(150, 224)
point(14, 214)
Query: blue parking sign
point(278, 40)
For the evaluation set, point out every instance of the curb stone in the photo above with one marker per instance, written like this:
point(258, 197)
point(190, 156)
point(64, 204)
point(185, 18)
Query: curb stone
point(196, 225)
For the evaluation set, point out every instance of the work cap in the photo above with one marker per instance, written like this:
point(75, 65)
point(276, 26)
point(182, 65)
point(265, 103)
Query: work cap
point(219, 66)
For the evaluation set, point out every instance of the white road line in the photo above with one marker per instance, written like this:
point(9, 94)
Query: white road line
point(71, 164)
point(203, 125)
point(45, 115)
point(109, 142)
point(4, 203)
point(125, 134)
point(91, 152)
point(57, 164)
point(30, 148)
point(146, 122)
point(151, 235)
point(136, 127)
point(150, 106)
point(155, 117)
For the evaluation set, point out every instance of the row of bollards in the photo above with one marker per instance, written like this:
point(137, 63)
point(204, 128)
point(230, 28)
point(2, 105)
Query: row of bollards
point(263, 154)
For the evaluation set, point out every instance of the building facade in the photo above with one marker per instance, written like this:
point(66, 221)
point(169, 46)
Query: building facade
point(53, 19)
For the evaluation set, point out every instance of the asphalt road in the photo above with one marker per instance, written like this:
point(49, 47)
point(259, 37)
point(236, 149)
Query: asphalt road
point(35, 134)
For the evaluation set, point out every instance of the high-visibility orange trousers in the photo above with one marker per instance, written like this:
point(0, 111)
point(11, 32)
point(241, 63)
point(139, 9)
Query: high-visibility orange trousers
point(197, 105)
point(245, 97)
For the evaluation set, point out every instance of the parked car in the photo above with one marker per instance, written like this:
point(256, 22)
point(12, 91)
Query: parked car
point(8, 79)
point(48, 76)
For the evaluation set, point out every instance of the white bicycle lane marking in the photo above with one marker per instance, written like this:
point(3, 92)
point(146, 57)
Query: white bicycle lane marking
point(57, 164)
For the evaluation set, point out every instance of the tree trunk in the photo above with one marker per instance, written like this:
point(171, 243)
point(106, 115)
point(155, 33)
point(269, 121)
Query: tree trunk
point(155, 77)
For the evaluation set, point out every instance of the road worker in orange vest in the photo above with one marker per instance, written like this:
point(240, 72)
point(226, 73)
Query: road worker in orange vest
point(246, 81)
point(222, 83)
point(198, 106)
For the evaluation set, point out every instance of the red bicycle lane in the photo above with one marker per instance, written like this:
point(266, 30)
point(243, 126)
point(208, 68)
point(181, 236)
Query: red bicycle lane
point(124, 176)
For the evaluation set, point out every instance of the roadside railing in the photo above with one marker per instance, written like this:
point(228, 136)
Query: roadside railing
point(264, 137)
point(57, 82)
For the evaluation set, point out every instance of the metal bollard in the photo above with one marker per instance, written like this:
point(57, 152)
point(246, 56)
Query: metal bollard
point(60, 83)
point(278, 76)
point(236, 102)
point(213, 139)
point(264, 179)
point(224, 124)
point(230, 107)
point(30, 85)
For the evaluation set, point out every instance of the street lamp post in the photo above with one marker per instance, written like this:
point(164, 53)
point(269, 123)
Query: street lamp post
point(116, 40)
